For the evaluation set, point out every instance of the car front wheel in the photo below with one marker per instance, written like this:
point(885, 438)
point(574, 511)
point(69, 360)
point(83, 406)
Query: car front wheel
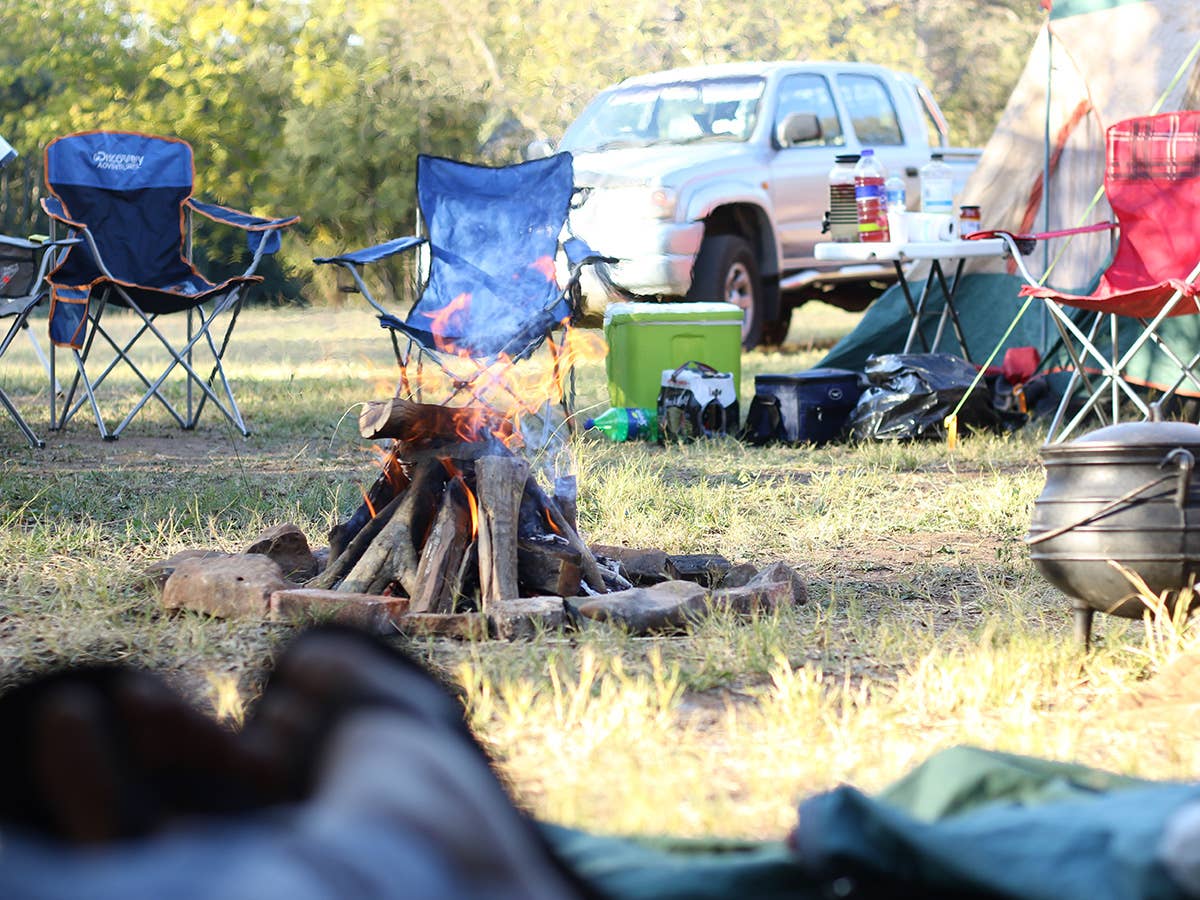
point(727, 270)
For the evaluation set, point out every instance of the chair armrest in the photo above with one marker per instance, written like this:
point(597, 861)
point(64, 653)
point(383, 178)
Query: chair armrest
point(580, 254)
point(373, 254)
point(54, 209)
point(260, 232)
point(351, 261)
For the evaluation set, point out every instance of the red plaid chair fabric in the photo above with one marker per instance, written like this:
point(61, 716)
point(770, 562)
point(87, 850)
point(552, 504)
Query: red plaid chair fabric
point(1152, 181)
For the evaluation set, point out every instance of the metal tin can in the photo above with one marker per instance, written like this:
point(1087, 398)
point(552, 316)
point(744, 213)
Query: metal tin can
point(968, 220)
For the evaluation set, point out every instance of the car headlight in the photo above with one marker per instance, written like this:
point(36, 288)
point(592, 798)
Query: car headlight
point(662, 203)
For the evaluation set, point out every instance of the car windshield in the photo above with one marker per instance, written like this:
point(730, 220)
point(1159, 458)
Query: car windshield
point(682, 112)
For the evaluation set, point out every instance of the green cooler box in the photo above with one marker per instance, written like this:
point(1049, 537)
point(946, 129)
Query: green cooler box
point(646, 338)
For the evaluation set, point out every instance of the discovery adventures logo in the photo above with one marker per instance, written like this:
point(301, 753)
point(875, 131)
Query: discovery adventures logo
point(117, 162)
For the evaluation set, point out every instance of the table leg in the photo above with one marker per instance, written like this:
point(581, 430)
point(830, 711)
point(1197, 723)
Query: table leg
point(917, 309)
point(948, 291)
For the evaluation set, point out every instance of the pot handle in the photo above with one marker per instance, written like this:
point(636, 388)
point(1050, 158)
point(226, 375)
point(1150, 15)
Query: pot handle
point(1183, 460)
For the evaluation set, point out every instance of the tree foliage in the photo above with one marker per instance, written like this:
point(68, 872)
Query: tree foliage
point(321, 106)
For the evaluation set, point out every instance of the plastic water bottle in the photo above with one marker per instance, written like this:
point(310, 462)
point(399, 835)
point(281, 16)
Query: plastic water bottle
point(626, 423)
point(937, 187)
point(896, 192)
point(869, 197)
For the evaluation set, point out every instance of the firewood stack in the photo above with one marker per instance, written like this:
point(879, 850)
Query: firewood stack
point(455, 520)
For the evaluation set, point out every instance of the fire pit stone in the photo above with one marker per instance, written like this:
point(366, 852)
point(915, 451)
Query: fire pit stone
point(665, 607)
point(287, 545)
point(230, 586)
point(370, 612)
point(704, 568)
point(782, 572)
point(460, 626)
point(157, 573)
point(523, 618)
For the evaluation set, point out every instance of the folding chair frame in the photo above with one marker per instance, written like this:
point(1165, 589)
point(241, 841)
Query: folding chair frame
point(1111, 381)
point(20, 308)
point(484, 365)
point(228, 302)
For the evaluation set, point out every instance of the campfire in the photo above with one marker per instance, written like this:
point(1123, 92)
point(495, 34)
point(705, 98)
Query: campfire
point(456, 518)
point(468, 530)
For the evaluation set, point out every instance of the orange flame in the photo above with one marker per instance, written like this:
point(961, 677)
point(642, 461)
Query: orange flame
point(550, 522)
point(545, 265)
point(440, 322)
point(493, 397)
point(472, 504)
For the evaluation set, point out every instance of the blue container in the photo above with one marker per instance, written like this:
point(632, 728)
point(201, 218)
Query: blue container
point(813, 405)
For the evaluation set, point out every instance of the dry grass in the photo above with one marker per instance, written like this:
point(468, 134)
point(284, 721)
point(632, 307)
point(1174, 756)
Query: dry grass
point(927, 625)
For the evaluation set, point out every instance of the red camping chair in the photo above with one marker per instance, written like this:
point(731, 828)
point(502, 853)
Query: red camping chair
point(1152, 181)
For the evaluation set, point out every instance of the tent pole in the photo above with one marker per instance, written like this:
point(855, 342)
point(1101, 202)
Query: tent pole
point(1046, 169)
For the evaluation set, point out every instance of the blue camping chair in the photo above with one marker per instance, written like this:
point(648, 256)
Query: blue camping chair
point(492, 292)
point(129, 197)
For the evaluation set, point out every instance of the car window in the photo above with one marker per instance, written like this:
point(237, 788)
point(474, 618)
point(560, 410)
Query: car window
point(872, 112)
point(717, 109)
point(811, 94)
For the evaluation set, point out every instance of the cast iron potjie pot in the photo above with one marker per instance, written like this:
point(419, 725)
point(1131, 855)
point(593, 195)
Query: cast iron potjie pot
point(1123, 493)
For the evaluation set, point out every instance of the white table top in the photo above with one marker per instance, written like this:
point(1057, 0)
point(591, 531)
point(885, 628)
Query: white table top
point(864, 252)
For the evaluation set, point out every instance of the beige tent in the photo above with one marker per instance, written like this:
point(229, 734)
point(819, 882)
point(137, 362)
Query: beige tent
point(1099, 61)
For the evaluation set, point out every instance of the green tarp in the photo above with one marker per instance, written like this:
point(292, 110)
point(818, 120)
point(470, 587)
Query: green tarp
point(967, 823)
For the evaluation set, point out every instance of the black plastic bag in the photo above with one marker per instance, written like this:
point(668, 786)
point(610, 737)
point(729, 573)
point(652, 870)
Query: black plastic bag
point(910, 395)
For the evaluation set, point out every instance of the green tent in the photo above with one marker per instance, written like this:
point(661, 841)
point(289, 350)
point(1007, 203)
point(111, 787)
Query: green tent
point(987, 303)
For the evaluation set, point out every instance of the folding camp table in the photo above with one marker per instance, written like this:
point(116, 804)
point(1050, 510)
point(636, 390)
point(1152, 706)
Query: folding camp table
point(940, 255)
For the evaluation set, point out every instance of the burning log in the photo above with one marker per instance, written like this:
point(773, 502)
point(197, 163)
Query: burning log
point(392, 556)
point(440, 573)
point(591, 571)
point(345, 561)
point(499, 481)
point(392, 480)
point(422, 425)
point(549, 566)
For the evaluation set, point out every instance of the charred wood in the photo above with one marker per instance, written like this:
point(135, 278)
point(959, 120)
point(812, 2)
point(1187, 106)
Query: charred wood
point(549, 565)
point(345, 561)
point(499, 483)
point(392, 555)
point(439, 571)
point(591, 572)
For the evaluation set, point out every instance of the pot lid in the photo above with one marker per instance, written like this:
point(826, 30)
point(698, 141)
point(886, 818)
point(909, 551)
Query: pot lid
point(1142, 434)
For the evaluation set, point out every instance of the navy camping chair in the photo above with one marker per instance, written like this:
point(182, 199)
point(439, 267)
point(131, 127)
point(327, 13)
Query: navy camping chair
point(492, 295)
point(129, 197)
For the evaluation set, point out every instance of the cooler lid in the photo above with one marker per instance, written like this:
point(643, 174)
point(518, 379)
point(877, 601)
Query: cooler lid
point(812, 375)
point(644, 311)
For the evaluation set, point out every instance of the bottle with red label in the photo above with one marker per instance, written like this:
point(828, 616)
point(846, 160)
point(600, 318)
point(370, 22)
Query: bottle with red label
point(871, 198)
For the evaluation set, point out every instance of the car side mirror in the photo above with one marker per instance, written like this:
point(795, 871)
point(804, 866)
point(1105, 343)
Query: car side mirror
point(539, 149)
point(797, 128)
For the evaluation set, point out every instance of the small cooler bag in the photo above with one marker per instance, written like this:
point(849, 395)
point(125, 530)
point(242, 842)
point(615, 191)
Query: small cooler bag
point(18, 269)
point(806, 407)
point(696, 401)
